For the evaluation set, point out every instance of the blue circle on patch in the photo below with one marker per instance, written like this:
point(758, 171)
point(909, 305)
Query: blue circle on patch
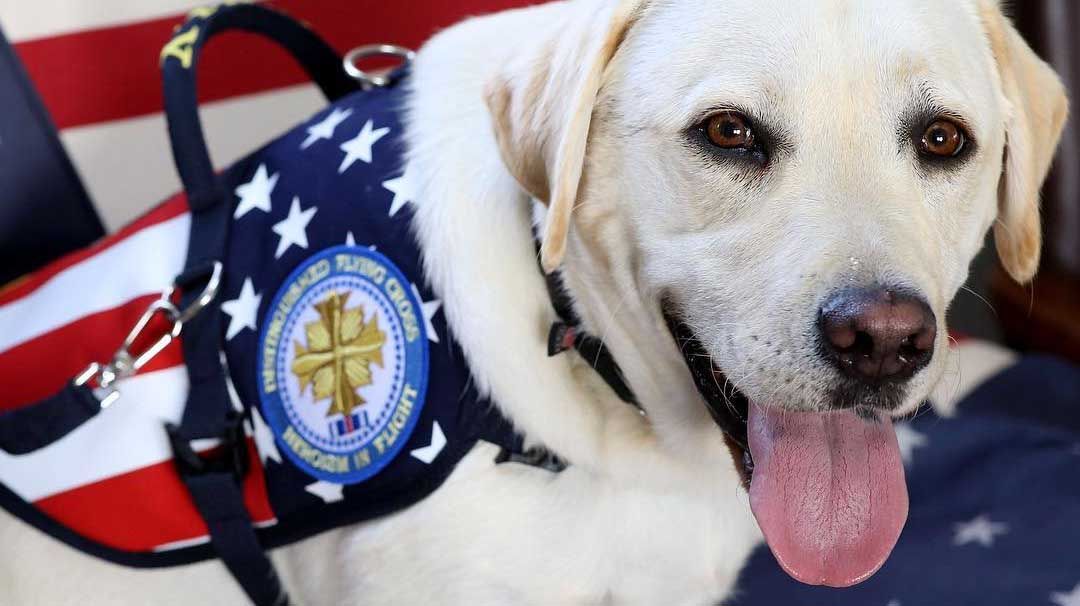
point(343, 364)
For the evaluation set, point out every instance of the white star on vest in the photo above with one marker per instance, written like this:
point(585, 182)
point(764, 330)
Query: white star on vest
point(293, 230)
point(909, 440)
point(1071, 598)
point(242, 310)
point(326, 128)
point(256, 193)
point(264, 437)
point(430, 308)
point(427, 454)
point(328, 492)
point(981, 530)
point(350, 240)
point(359, 147)
point(403, 190)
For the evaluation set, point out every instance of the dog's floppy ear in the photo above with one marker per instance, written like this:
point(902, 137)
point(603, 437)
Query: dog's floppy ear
point(542, 102)
point(1036, 113)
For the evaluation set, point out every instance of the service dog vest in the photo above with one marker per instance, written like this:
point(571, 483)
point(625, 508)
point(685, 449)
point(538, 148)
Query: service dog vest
point(356, 400)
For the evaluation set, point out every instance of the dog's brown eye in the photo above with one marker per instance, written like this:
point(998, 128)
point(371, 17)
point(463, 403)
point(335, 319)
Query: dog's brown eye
point(730, 130)
point(943, 138)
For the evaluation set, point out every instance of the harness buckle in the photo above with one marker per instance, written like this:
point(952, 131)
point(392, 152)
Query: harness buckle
point(562, 337)
point(128, 359)
point(231, 456)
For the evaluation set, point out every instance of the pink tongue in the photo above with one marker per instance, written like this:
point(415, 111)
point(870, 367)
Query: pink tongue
point(828, 492)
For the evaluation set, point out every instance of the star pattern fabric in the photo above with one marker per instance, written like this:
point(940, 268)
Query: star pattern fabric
point(293, 229)
point(242, 310)
point(328, 492)
point(359, 148)
point(325, 129)
point(981, 531)
point(430, 309)
point(403, 190)
point(1066, 598)
point(255, 194)
point(909, 440)
point(264, 438)
point(333, 186)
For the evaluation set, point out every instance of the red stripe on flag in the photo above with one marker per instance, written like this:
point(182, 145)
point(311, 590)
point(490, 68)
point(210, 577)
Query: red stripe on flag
point(68, 350)
point(174, 207)
point(112, 73)
point(146, 508)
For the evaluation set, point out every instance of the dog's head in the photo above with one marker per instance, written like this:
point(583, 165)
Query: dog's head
point(796, 189)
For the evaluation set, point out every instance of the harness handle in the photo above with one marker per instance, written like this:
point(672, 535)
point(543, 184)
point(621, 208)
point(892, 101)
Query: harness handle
point(179, 64)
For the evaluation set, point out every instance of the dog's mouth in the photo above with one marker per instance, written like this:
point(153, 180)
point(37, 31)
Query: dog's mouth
point(729, 408)
point(827, 489)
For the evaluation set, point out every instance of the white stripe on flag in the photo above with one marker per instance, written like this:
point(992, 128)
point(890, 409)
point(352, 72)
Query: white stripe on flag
point(127, 165)
point(143, 264)
point(29, 19)
point(134, 426)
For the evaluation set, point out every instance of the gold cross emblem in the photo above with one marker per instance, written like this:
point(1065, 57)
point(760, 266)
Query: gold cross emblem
point(339, 353)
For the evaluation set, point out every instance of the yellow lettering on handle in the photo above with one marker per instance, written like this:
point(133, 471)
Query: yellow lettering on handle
point(202, 12)
point(181, 47)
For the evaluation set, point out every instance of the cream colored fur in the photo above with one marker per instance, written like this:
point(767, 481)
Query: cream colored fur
point(590, 100)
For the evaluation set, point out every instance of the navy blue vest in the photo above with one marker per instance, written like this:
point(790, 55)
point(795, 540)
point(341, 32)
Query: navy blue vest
point(352, 366)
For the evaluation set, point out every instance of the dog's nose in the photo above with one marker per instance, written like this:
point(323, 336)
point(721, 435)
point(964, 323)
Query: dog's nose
point(878, 335)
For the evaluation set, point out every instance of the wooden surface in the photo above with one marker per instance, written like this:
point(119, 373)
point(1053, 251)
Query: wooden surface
point(1044, 316)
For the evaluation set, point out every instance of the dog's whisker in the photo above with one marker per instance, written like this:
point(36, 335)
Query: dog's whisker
point(980, 298)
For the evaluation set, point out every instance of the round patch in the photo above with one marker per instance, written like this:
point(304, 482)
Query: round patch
point(343, 364)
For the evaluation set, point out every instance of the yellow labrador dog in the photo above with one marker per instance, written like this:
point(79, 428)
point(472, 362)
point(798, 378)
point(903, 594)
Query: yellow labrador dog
point(764, 208)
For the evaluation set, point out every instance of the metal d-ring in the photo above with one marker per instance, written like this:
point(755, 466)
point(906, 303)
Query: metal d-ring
point(377, 50)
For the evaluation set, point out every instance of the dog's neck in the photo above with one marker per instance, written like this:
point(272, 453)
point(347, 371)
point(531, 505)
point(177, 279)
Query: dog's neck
point(617, 308)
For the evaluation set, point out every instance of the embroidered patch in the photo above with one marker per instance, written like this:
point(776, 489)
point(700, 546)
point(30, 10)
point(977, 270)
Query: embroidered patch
point(343, 364)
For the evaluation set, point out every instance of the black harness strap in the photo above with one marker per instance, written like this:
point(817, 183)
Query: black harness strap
point(215, 480)
point(33, 427)
point(567, 333)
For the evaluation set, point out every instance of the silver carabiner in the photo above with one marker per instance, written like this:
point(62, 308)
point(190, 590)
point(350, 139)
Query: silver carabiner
point(105, 396)
point(126, 362)
point(377, 50)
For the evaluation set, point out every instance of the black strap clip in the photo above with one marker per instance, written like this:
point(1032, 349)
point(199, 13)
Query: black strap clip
point(562, 337)
point(231, 456)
